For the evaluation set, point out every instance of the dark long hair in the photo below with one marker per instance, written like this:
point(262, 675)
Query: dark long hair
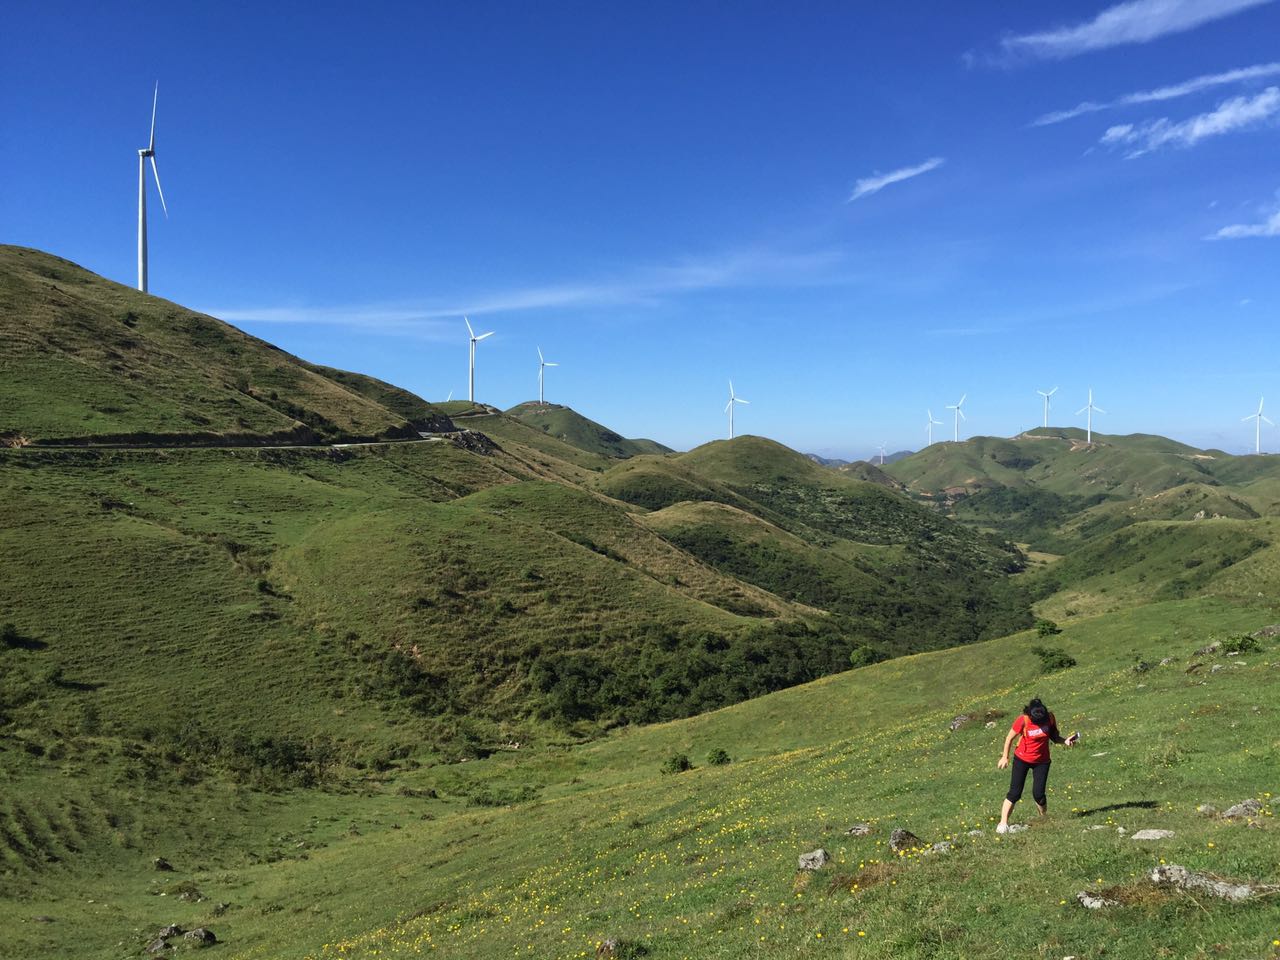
point(1036, 711)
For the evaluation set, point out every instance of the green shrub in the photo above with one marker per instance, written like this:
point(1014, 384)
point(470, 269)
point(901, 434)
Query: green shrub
point(1047, 628)
point(718, 757)
point(1240, 644)
point(677, 763)
point(1052, 658)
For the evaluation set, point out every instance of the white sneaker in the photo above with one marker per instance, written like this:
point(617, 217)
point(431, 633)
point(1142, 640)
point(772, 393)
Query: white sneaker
point(1002, 828)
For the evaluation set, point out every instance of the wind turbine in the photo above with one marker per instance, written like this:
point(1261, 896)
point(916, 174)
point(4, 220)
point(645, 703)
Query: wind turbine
point(932, 423)
point(959, 415)
point(882, 454)
point(471, 390)
point(150, 151)
point(1257, 433)
point(1046, 403)
point(449, 399)
point(1090, 408)
point(733, 398)
point(542, 363)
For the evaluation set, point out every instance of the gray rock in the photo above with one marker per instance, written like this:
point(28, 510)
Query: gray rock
point(200, 936)
point(1216, 667)
point(1267, 632)
point(990, 724)
point(858, 830)
point(1207, 810)
point(172, 930)
point(1245, 808)
point(158, 946)
point(1166, 661)
point(42, 919)
point(1152, 835)
point(1121, 830)
point(960, 721)
point(1091, 902)
point(814, 859)
point(901, 840)
point(1018, 827)
point(1175, 875)
point(1096, 826)
point(942, 846)
point(975, 833)
point(1211, 648)
point(160, 863)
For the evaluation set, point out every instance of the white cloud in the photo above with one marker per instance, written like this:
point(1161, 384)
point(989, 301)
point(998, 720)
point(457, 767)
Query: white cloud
point(1137, 21)
point(436, 319)
point(1238, 113)
point(1269, 227)
point(877, 182)
point(1171, 92)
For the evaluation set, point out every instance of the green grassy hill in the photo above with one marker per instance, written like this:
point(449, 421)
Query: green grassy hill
point(573, 428)
point(550, 850)
point(84, 359)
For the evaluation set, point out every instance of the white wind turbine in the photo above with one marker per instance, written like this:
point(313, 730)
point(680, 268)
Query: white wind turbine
point(1257, 433)
point(150, 151)
point(733, 398)
point(959, 415)
point(542, 364)
point(882, 454)
point(1090, 407)
point(932, 424)
point(471, 389)
point(1046, 403)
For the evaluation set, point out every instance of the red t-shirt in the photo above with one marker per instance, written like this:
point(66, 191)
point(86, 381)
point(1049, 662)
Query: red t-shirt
point(1034, 745)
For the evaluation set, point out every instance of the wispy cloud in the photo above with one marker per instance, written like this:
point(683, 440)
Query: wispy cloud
point(437, 318)
point(1270, 227)
point(1137, 21)
point(877, 182)
point(1172, 92)
point(1238, 113)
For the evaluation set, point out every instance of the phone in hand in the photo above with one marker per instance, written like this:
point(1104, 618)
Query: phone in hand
point(1073, 738)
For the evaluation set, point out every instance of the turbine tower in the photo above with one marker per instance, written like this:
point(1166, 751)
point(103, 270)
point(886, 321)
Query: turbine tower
point(932, 423)
point(1257, 433)
point(882, 454)
point(1090, 408)
point(959, 415)
point(542, 364)
point(150, 151)
point(471, 382)
point(733, 398)
point(1046, 403)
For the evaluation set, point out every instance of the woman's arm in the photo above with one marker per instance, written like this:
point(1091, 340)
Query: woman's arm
point(1004, 757)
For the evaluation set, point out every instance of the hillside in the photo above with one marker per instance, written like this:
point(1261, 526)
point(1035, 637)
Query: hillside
point(549, 851)
point(573, 428)
point(83, 359)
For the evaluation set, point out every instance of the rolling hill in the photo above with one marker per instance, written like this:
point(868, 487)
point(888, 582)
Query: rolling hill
point(84, 360)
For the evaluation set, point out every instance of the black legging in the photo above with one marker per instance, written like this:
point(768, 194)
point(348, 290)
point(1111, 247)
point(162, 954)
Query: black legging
point(1039, 779)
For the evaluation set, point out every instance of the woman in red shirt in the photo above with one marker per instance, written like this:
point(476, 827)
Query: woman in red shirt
point(1036, 729)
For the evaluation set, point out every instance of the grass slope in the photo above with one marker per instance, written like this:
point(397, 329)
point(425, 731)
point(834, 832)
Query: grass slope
point(573, 428)
point(82, 358)
point(593, 842)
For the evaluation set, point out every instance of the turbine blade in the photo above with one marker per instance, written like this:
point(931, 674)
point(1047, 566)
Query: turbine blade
point(483, 335)
point(1098, 410)
point(541, 359)
point(961, 412)
point(551, 364)
point(1267, 420)
point(963, 398)
point(728, 405)
point(1081, 410)
point(469, 330)
point(740, 400)
point(1252, 416)
point(155, 97)
point(1053, 391)
point(156, 174)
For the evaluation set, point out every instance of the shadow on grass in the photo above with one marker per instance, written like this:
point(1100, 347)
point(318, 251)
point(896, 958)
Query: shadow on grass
point(1127, 805)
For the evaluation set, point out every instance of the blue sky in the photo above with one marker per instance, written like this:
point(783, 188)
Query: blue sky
point(856, 212)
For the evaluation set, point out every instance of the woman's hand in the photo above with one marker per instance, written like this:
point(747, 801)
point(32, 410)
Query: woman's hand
point(1002, 762)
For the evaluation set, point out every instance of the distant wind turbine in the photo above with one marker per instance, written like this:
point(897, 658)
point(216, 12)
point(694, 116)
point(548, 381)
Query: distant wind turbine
point(542, 364)
point(733, 398)
point(1090, 408)
point(450, 397)
point(150, 152)
point(1046, 403)
point(471, 391)
point(959, 415)
point(932, 423)
point(882, 454)
point(1257, 433)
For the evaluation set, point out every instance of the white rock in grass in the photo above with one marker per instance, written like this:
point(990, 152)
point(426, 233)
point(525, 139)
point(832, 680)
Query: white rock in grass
point(1090, 902)
point(1152, 835)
